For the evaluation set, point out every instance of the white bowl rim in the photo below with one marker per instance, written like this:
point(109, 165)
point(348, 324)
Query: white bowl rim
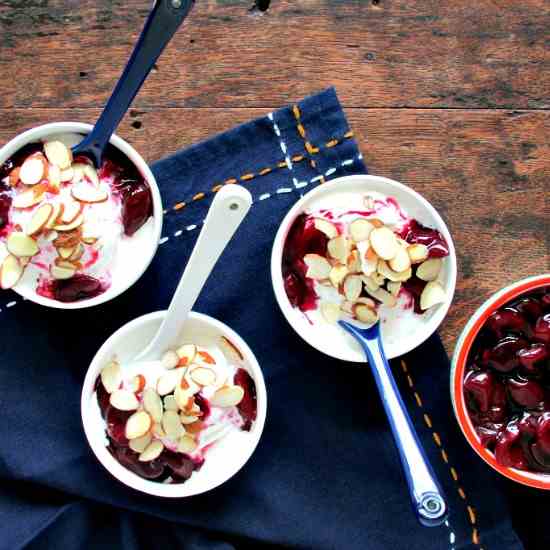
point(130, 478)
point(38, 132)
point(297, 208)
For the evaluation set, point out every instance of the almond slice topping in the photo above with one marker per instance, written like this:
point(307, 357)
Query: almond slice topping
point(91, 173)
point(33, 170)
point(365, 314)
point(66, 175)
point(157, 430)
point(171, 425)
point(65, 253)
point(54, 178)
point(429, 270)
point(330, 312)
point(384, 243)
point(394, 287)
point(186, 445)
point(137, 383)
point(383, 296)
point(401, 261)
point(203, 376)
point(153, 450)
point(152, 403)
point(56, 212)
point(85, 193)
point(417, 253)
point(167, 382)
point(62, 272)
point(182, 396)
point(230, 350)
point(337, 274)
point(354, 262)
point(326, 227)
point(139, 444)
point(186, 354)
point(432, 294)
point(30, 197)
point(138, 425)
point(14, 177)
point(339, 248)
point(229, 396)
point(317, 266)
point(360, 229)
point(170, 403)
point(20, 244)
point(187, 419)
point(124, 400)
point(353, 285)
point(78, 252)
point(71, 210)
point(10, 272)
point(58, 154)
point(111, 376)
point(40, 219)
point(385, 271)
point(77, 222)
point(170, 360)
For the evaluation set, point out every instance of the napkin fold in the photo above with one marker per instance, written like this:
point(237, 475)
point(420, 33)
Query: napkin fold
point(325, 475)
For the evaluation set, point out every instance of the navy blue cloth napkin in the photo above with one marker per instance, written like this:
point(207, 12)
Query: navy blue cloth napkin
point(325, 475)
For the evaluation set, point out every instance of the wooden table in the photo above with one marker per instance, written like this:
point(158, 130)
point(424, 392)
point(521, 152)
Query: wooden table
point(450, 97)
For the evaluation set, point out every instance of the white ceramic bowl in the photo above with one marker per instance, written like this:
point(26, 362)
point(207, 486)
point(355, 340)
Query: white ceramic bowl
point(399, 337)
point(225, 458)
point(133, 255)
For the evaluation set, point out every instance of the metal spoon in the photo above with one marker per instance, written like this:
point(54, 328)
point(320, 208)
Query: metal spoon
point(425, 491)
point(163, 21)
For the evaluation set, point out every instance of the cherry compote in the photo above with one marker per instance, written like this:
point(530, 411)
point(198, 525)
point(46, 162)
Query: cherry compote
point(507, 383)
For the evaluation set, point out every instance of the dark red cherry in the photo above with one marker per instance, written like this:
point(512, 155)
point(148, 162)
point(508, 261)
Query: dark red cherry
point(116, 425)
point(415, 232)
point(529, 307)
point(505, 320)
point(543, 433)
point(526, 393)
point(137, 207)
point(5, 205)
point(541, 458)
point(153, 469)
point(479, 387)
point(503, 355)
point(542, 329)
point(508, 450)
point(248, 406)
point(528, 425)
point(532, 357)
point(545, 301)
point(487, 435)
point(203, 405)
point(78, 287)
point(181, 465)
point(414, 286)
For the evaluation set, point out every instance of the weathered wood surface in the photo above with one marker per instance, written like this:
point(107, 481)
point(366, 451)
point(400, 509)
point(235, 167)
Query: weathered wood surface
point(449, 97)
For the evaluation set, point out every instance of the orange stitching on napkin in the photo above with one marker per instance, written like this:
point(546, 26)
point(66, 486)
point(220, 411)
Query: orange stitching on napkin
point(246, 177)
point(179, 206)
point(264, 171)
point(470, 510)
point(216, 188)
point(418, 400)
point(231, 181)
point(302, 131)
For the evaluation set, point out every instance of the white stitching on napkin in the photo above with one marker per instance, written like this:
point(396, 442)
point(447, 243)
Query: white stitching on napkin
point(283, 146)
point(452, 537)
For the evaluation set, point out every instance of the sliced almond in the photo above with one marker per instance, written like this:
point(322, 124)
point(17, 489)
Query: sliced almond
point(417, 253)
point(383, 242)
point(230, 350)
point(371, 283)
point(187, 419)
point(10, 272)
point(65, 253)
point(77, 222)
point(78, 171)
point(139, 444)
point(330, 312)
point(62, 272)
point(368, 257)
point(353, 285)
point(429, 270)
point(14, 177)
point(157, 430)
point(153, 450)
point(58, 154)
point(20, 244)
point(317, 266)
point(383, 296)
point(56, 212)
point(354, 262)
point(195, 427)
point(205, 357)
point(360, 229)
point(171, 425)
point(385, 271)
point(378, 279)
point(366, 301)
point(152, 403)
point(91, 174)
point(337, 274)
point(170, 360)
point(203, 376)
point(365, 314)
point(67, 239)
point(326, 227)
point(167, 382)
point(182, 396)
point(71, 210)
point(228, 396)
point(66, 175)
point(54, 178)
point(394, 287)
point(33, 170)
point(111, 376)
point(39, 219)
point(401, 261)
point(186, 445)
point(347, 307)
point(30, 197)
point(186, 354)
point(137, 383)
point(84, 192)
point(78, 252)
point(170, 403)
point(138, 425)
point(339, 249)
point(124, 400)
point(432, 294)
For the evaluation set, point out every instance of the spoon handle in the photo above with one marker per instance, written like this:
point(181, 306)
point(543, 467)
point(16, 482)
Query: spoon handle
point(427, 497)
point(228, 209)
point(163, 21)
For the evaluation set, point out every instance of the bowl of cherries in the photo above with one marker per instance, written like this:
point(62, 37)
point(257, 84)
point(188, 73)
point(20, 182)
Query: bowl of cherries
point(500, 381)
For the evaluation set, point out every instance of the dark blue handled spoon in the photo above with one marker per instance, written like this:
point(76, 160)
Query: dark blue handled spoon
point(163, 21)
point(426, 493)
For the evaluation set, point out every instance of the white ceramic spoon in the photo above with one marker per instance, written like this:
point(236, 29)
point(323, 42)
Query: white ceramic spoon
point(228, 210)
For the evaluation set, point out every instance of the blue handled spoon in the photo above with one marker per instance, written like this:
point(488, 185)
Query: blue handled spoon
point(425, 491)
point(162, 23)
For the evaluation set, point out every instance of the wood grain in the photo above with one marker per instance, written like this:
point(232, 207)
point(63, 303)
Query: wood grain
point(487, 176)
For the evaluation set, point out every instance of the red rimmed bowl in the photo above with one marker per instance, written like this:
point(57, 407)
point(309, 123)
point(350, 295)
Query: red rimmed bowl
point(458, 371)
